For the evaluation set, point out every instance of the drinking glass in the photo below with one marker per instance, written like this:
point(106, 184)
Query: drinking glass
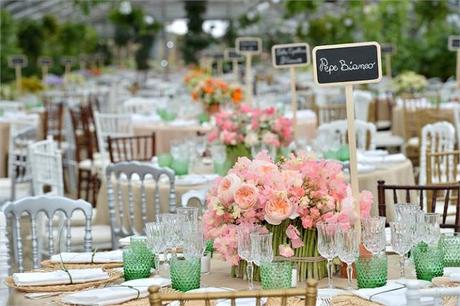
point(348, 249)
point(137, 259)
point(432, 231)
point(172, 223)
point(401, 241)
point(373, 234)
point(200, 145)
point(450, 244)
point(261, 248)
point(243, 235)
point(327, 245)
point(190, 213)
point(193, 239)
point(156, 240)
point(418, 234)
point(406, 212)
point(276, 275)
point(428, 261)
point(219, 157)
point(185, 273)
point(372, 271)
point(256, 149)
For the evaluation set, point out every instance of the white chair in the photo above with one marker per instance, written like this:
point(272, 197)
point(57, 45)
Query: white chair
point(113, 125)
point(4, 252)
point(138, 105)
point(46, 165)
point(10, 106)
point(18, 184)
point(49, 206)
point(436, 137)
point(193, 197)
point(414, 294)
point(365, 133)
point(362, 100)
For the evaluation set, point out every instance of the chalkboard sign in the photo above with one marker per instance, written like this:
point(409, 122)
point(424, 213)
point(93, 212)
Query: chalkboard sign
point(290, 55)
point(45, 61)
point(454, 43)
point(230, 54)
point(17, 60)
point(387, 48)
point(248, 45)
point(67, 60)
point(357, 63)
point(218, 56)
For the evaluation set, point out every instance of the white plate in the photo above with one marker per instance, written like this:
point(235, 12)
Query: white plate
point(329, 292)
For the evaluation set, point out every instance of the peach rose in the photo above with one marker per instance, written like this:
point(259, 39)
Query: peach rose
point(246, 196)
point(278, 208)
point(285, 250)
point(227, 187)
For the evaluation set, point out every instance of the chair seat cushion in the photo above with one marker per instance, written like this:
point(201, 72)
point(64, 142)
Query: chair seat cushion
point(413, 142)
point(386, 139)
point(383, 124)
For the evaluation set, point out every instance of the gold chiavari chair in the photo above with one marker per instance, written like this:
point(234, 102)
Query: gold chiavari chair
point(308, 294)
point(442, 167)
point(330, 112)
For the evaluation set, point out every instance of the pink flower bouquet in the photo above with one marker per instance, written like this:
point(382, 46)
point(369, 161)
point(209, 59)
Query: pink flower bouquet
point(287, 198)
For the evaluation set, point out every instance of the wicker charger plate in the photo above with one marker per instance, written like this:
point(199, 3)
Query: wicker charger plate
point(113, 276)
point(57, 265)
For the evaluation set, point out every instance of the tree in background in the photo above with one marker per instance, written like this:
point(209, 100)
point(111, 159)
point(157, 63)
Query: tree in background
point(195, 39)
point(8, 45)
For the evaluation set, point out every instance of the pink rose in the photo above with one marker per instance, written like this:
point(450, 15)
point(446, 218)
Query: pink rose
point(246, 196)
point(213, 135)
point(271, 139)
point(365, 203)
point(227, 187)
point(278, 208)
point(285, 250)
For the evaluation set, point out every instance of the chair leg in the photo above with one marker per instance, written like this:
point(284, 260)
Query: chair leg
point(80, 178)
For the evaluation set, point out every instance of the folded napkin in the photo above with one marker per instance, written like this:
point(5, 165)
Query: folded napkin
point(453, 273)
point(87, 257)
point(124, 292)
point(394, 158)
point(392, 294)
point(59, 277)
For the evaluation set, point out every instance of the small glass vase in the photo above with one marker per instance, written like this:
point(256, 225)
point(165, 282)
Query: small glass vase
point(138, 259)
point(450, 245)
point(185, 273)
point(180, 166)
point(372, 271)
point(165, 160)
point(428, 261)
point(276, 275)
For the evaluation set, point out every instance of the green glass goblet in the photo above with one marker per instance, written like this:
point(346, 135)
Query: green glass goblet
point(276, 275)
point(185, 273)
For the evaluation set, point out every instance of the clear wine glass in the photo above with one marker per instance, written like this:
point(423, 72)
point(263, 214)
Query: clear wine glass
point(172, 223)
point(243, 235)
point(261, 248)
point(327, 245)
point(200, 145)
point(401, 241)
point(373, 234)
point(193, 238)
point(190, 213)
point(156, 239)
point(406, 212)
point(432, 231)
point(348, 249)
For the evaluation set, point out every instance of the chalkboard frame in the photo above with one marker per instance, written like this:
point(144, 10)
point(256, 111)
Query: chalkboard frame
point(72, 60)
point(293, 45)
point(361, 44)
point(239, 39)
point(227, 55)
point(14, 56)
point(383, 45)
point(47, 58)
point(450, 42)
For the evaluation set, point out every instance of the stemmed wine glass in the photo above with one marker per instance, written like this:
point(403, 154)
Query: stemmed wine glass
point(373, 234)
point(243, 235)
point(401, 241)
point(156, 239)
point(327, 245)
point(348, 248)
point(261, 248)
point(193, 239)
point(432, 231)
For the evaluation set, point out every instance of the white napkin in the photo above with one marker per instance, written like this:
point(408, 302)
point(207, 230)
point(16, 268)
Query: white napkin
point(59, 277)
point(125, 241)
point(364, 168)
point(182, 122)
point(87, 257)
point(190, 179)
point(396, 297)
point(453, 273)
point(116, 294)
point(394, 158)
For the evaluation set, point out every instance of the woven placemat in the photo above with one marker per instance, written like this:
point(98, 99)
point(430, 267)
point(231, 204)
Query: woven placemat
point(291, 301)
point(113, 276)
point(446, 282)
point(351, 300)
point(57, 265)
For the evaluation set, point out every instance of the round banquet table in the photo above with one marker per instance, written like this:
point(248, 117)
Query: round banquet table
point(219, 277)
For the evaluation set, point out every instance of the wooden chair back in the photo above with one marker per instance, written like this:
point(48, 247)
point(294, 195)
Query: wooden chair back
point(330, 112)
point(309, 294)
point(443, 167)
point(420, 194)
point(53, 120)
point(84, 133)
point(140, 148)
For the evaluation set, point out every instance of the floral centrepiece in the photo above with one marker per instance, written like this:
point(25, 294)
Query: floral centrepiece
point(409, 82)
point(193, 77)
point(211, 92)
point(287, 198)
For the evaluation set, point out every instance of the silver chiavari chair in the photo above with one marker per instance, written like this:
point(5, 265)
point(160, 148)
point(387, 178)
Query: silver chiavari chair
point(36, 207)
point(121, 211)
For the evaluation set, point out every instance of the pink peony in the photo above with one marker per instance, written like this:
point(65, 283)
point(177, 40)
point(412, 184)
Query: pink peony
point(227, 187)
point(285, 250)
point(278, 208)
point(294, 234)
point(246, 196)
point(365, 204)
point(271, 139)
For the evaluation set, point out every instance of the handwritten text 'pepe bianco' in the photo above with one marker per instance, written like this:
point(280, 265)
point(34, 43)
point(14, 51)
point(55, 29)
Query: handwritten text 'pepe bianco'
point(343, 66)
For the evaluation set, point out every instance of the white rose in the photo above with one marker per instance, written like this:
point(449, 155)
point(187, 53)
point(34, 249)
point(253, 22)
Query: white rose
point(251, 139)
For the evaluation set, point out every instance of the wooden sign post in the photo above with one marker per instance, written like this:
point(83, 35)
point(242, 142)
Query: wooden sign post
point(45, 62)
point(230, 54)
point(219, 59)
point(249, 46)
point(17, 62)
point(67, 61)
point(348, 64)
point(388, 50)
point(291, 56)
point(454, 45)
point(82, 59)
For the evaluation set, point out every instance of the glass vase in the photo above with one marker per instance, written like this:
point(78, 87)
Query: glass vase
point(185, 273)
point(372, 271)
point(428, 261)
point(138, 259)
point(276, 275)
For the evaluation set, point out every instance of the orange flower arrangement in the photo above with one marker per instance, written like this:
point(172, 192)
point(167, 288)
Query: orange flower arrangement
point(194, 76)
point(214, 91)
